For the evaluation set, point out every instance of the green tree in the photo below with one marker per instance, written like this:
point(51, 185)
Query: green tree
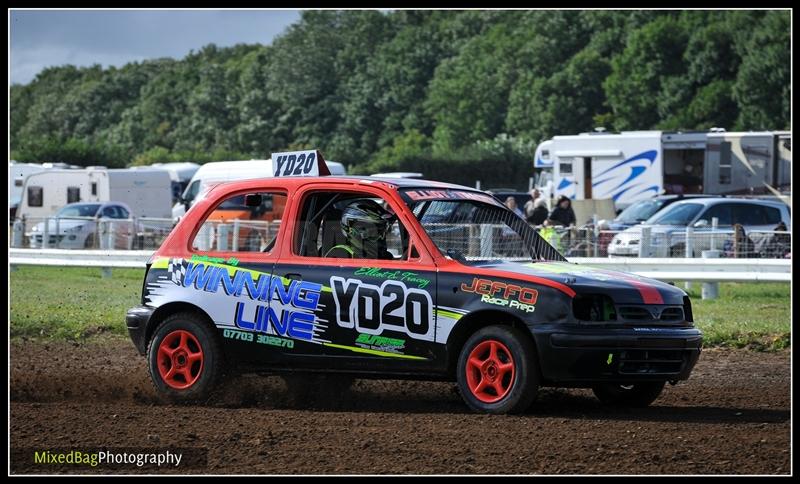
point(643, 76)
point(763, 88)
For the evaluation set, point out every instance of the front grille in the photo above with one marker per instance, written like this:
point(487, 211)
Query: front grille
point(51, 239)
point(651, 362)
point(635, 313)
point(672, 314)
point(651, 315)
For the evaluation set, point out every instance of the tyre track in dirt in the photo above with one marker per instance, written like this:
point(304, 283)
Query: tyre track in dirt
point(732, 416)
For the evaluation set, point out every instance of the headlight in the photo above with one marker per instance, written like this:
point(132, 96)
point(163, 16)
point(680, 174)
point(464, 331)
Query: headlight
point(36, 228)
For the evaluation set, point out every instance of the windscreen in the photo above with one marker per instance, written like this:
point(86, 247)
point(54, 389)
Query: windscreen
point(87, 210)
point(677, 214)
point(640, 211)
point(473, 227)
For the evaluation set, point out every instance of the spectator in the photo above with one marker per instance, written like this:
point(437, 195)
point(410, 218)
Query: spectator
point(563, 213)
point(530, 205)
point(511, 203)
point(539, 214)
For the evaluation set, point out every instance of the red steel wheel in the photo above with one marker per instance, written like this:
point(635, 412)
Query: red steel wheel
point(180, 359)
point(490, 371)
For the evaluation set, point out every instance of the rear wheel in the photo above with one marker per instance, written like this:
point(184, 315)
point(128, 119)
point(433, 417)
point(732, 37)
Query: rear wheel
point(184, 358)
point(635, 395)
point(498, 371)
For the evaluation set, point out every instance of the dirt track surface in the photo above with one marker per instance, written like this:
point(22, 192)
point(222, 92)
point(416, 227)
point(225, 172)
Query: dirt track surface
point(731, 417)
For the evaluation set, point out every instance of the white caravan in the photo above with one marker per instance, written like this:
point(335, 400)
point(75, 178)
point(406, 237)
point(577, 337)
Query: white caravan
point(147, 192)
point(225, 171)
point(18, 172)
point(635, 165)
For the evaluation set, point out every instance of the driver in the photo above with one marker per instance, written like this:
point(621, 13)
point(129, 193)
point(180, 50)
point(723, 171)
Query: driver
point(365, 225)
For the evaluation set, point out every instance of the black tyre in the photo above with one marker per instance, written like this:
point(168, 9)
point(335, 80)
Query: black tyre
point(185, 358)
point(498, 371)
point(635, 395)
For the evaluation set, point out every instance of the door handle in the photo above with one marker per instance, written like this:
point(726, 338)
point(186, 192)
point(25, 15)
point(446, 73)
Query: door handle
point(294, 276)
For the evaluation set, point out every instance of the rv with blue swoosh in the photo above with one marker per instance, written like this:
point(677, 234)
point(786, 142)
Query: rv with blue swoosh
point(637, 165)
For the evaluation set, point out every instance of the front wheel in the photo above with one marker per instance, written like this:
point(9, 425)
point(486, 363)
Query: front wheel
point(498, 371)
point(184, 358)
point(635, 395)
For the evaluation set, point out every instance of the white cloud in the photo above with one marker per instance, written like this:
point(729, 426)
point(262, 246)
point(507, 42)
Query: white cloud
point(42, 39)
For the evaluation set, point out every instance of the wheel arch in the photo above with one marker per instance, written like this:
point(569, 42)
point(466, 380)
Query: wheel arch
point(166, 310)
point(473, 322)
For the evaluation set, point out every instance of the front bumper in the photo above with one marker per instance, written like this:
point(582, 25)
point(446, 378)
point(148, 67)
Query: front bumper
point(65, 241)
point(623, 250)
point(137, 320)
point(581, 355)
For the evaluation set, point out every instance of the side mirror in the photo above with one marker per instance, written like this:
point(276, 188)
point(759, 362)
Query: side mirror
point(702, 223)
point(252, 200)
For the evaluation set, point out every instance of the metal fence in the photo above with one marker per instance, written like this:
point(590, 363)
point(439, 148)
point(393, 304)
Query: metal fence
point(236, 235)
point(646, 242)
point(89, 233)
point(474, 241)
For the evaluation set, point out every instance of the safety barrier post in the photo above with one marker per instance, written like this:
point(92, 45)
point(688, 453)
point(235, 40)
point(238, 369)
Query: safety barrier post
point(644, 243)
point(235, 234)
point(46, 233)
point(17, 233)
point(132, 232)
point(58, 231)
point(710, 289)
point(222, 237)
point(714, 226)
point(689, 252)
point(110, 235)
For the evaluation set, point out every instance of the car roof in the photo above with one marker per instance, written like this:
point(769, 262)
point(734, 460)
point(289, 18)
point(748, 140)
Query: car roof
point(355, 180)
point(676, 196)
point(716, 200)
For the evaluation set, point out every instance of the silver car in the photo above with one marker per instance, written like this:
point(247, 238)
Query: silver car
point(668, 226)
point(86, 225)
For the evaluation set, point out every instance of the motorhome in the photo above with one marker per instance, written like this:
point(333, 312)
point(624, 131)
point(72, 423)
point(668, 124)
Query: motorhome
point(147, 192)
point(635, 165)
point(225, 171)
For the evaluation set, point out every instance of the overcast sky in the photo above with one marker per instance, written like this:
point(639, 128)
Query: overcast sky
point(47, 38)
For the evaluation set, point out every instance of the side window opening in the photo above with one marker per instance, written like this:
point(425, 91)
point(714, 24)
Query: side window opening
point(73, 194)
point(349, 225)
point(35, 196)
point(247, 222)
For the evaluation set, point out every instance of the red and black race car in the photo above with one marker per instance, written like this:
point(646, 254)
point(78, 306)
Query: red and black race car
point(397, 278)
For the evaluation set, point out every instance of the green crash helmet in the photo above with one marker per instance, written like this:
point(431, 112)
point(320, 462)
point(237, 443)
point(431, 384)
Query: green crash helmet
point(365, 222)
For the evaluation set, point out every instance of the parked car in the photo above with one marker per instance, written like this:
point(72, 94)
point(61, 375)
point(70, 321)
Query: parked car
point(635, 214)
point(332, 294)
point(668, 227)
point(639, 212)
point(80, 226)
